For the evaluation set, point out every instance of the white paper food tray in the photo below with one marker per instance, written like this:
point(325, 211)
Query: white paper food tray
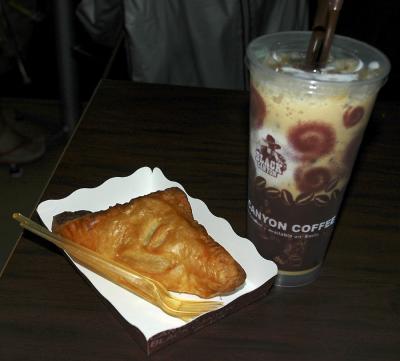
point(147, 318)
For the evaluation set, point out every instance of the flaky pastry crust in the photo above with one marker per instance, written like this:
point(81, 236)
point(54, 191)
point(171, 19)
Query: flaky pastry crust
point(157, 236)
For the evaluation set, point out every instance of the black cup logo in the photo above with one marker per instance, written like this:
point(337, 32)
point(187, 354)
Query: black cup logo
point(268, 159)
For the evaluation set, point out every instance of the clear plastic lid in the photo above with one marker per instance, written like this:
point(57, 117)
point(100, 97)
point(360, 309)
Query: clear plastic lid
point(350, 60)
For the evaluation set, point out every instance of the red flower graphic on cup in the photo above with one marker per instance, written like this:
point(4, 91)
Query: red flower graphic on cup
point(258, 108)
point(314, 179)
point(312, 139)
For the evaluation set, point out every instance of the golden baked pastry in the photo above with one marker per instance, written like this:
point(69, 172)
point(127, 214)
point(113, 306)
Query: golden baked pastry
point(157, 236)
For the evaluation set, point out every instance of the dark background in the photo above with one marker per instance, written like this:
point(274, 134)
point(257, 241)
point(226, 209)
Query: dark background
point(38, 41)
point(374, 22)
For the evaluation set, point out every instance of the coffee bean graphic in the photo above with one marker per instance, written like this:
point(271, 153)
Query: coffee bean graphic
point(287, 197)
point(304, 198)
point(335, 195)
point(352, 116)
point(260, 182)
point(321, 200)
point(272, 192)
point(331, 185)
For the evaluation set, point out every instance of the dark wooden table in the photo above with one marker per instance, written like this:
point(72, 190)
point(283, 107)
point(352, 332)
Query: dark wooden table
point(198, 137)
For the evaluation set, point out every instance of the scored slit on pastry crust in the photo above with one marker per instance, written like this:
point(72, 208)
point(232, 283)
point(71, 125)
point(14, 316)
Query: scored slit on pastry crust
point(157, 236)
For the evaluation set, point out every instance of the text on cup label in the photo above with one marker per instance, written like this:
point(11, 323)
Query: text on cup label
point(284, 226)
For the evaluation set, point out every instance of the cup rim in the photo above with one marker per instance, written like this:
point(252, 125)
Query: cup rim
point(252, 61)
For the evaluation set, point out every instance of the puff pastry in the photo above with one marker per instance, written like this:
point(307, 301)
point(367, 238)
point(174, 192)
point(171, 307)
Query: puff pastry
point(157, 236)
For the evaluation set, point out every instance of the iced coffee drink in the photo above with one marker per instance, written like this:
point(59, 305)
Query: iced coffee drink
point(305, 131)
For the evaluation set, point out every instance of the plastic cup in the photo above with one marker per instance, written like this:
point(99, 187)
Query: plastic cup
point(305, 131)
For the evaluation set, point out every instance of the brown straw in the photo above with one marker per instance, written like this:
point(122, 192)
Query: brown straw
point(317, 36)
point(322, 33)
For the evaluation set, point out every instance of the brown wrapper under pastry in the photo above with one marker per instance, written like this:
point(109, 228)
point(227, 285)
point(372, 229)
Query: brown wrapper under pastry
point(157, 236)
